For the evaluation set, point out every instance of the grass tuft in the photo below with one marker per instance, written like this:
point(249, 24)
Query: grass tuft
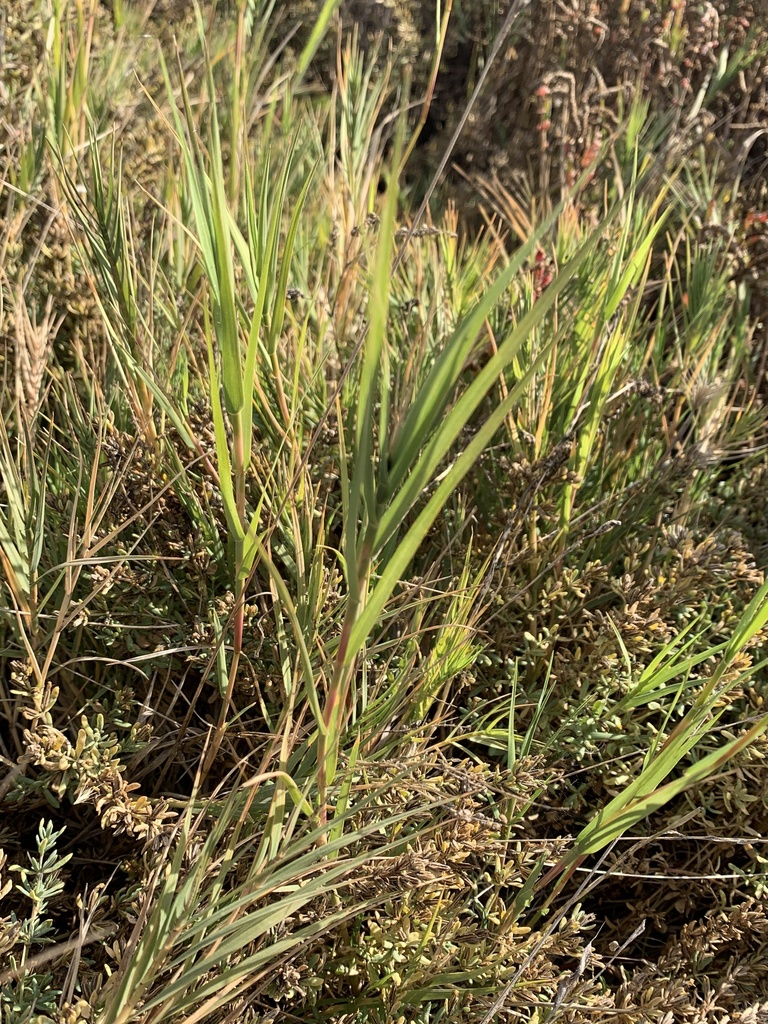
point(382, 596)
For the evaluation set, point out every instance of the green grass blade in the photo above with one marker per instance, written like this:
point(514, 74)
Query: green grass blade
point(320, 27)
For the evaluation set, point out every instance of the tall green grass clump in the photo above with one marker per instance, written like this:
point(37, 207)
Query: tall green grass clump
point(331, 539)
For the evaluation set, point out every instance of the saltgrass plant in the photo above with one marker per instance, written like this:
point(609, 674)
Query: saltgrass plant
point(329, 537)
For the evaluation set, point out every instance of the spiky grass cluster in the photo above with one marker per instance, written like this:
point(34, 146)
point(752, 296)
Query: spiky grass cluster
point(367, 585)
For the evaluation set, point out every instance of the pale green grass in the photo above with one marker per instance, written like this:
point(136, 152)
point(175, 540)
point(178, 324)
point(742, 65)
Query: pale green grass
point(299, 513)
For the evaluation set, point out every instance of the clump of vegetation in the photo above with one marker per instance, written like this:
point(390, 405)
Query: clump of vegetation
point(382, 597)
